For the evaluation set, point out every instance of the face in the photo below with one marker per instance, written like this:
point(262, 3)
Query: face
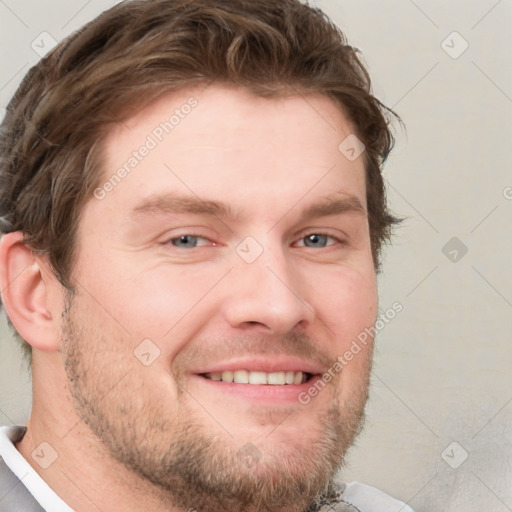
point(218, 279)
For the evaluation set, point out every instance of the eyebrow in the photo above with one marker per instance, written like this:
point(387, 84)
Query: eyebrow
point(166, 203)
point(181, 204)
point(334, 205)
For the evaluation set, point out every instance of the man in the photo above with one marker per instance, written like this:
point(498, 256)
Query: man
point(192, 211)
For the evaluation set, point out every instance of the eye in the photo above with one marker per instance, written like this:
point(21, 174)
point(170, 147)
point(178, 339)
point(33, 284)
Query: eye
point(317, 240)
point(189, 241)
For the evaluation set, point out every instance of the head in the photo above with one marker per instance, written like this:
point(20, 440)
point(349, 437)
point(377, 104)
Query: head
point(177, 194)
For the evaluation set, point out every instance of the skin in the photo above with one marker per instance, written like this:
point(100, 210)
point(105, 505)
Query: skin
point(269, 161)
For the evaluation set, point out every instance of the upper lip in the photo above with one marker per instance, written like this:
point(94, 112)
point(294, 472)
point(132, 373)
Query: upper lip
point(263, 364)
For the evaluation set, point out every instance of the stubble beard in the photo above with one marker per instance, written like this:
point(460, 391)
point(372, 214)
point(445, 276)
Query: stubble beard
point(191, 468)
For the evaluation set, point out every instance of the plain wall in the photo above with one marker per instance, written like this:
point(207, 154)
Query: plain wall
point(443, 364)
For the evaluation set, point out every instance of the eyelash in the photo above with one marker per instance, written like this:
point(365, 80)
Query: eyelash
point(327, 235)
point(192, 235)
point(301, 239)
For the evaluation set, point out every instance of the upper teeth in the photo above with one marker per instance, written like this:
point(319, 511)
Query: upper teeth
point(247, 377)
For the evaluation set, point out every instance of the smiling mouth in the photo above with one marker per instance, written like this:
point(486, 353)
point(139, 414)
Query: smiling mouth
point(259, 378)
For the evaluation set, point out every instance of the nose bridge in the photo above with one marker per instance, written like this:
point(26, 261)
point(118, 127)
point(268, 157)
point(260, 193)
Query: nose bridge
point(266, 289)
point(272, 267)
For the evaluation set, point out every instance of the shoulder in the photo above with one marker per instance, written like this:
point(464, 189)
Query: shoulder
point(365, 498)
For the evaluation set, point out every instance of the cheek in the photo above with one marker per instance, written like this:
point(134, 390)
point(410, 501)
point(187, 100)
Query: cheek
point(160, 302)
point(115, 363)
point(348, 304)
point(354, 311)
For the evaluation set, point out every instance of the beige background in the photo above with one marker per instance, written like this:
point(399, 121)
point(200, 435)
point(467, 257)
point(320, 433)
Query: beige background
point(443, 365)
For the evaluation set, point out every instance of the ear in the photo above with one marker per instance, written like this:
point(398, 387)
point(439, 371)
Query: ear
point(24, 282)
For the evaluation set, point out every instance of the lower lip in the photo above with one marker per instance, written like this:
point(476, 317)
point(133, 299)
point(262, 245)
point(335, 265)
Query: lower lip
point(269, 393)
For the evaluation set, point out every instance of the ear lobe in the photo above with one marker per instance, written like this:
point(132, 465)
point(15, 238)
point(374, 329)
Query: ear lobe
point(23, 285)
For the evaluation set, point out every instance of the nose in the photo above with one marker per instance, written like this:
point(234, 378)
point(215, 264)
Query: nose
point(265, 296)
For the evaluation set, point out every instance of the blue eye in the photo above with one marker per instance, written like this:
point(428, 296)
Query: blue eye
point(316, 240)
point(187, 241)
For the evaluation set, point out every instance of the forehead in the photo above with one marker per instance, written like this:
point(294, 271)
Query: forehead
point(225, 143)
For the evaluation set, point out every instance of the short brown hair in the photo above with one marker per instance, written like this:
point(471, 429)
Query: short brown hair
point(51, 136)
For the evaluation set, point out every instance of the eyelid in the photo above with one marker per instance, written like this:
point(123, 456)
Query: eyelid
point(324, 231)
point(169, 239)
point(339, 237)
point(209, 242)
